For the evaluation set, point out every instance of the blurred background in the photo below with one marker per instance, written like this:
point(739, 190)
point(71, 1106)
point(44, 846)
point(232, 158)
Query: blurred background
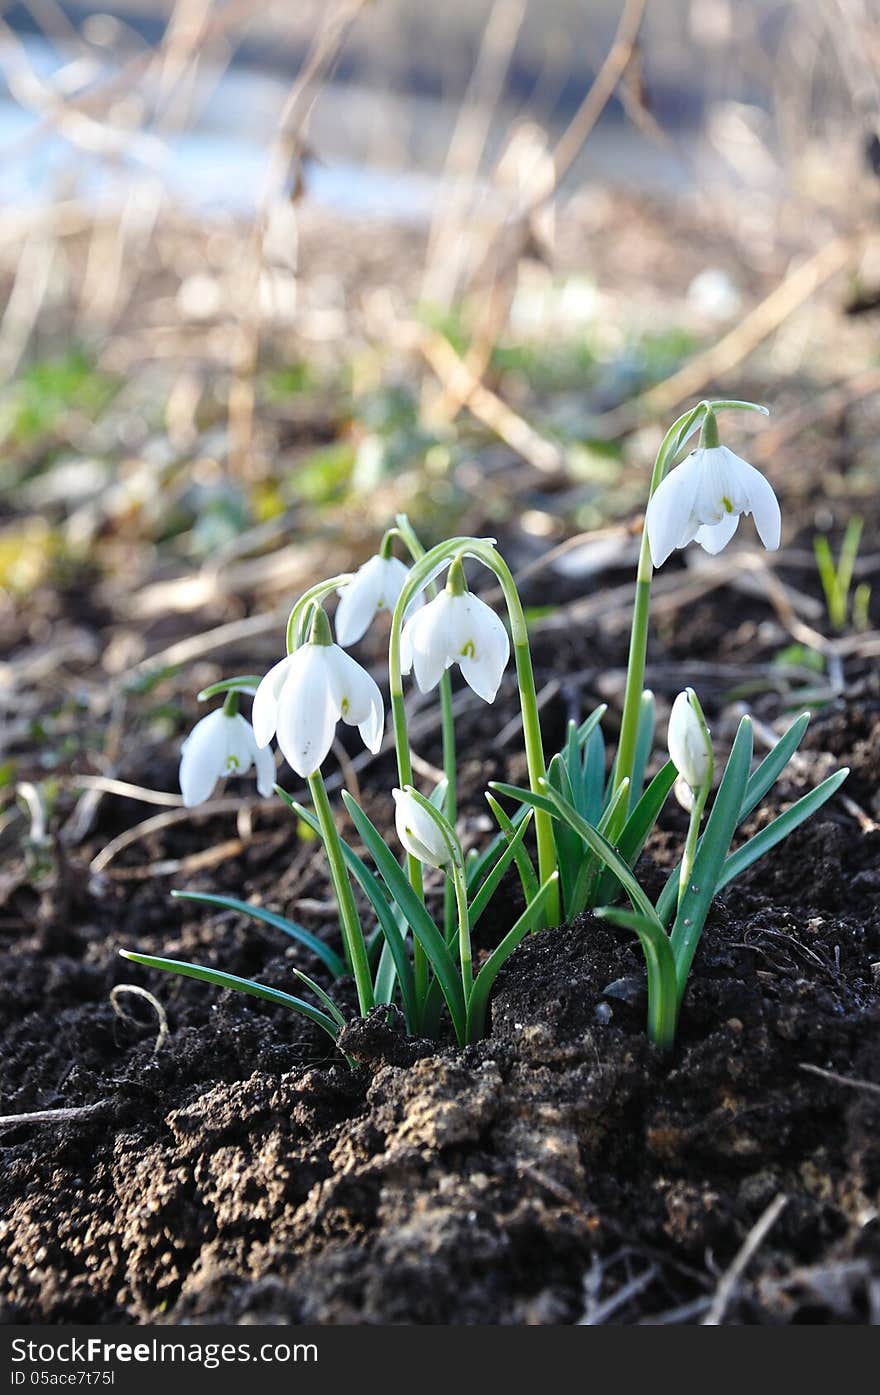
point(271, 272)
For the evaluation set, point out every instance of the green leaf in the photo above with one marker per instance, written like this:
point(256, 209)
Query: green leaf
point(605, 852)
point(477, 865)
point(644, 744)
point(660, 964)
point(639, 824)
point(711, 852)
point(527, 874)
point(536, 801)
point(241, 985)
point(479, 996)
point(593, 777)
point(322, 996)
point(591, 868)
point(587, 727)
point(489, 886)
point(421, 924)
point(328, 956)
point(773, 764)
point(780, 828)
point(569, 847)
point(385, 914)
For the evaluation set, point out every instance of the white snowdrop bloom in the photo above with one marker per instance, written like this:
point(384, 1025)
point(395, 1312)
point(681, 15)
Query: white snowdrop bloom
point(303, 697)
point(375, 586)
point(703, 499)
point(419, 834)
point(221, 744)
point(456, 629)
point(687, 739)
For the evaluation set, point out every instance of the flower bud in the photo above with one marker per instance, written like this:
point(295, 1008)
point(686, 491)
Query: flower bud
point(690, 747)
point(421, 830)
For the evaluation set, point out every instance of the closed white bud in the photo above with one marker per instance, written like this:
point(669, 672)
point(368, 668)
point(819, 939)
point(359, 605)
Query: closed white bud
point(422, 831)
point(688, 740)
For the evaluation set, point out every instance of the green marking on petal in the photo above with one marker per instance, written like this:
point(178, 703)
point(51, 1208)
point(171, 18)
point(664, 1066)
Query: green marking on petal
point(469, 650)
point(232, 764)
point(728, 506)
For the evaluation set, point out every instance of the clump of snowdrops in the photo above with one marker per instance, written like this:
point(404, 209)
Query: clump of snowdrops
point(573, 834)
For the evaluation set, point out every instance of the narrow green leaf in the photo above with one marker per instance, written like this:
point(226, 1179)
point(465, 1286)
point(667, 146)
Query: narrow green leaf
point(509, 828)
point(713, 849)
point(571, 758)
point(638, 826)
point(605, 852)
point(644, 745)
point(479, 996)
point(593, 777)
point(764, 778)
point(420, 922)
point(660, 964)
point(322, 996)
point(490, 885)
point(477, 865)
point(390, 930)
point(329, 957)
point(591, 868)
point(780, 828)
point(241, 985)
point(590, 724)
point(530, 797)
point(569, 847)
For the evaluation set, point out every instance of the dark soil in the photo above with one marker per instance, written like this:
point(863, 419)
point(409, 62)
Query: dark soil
point(560, 1171)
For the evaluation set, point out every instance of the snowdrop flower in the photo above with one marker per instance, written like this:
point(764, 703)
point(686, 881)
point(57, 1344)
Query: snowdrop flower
point(375, 586)
point(420, 835)
point(223, 743)
point(690, 747)
point(702, 500)
point(456, 628)
point(303, 697)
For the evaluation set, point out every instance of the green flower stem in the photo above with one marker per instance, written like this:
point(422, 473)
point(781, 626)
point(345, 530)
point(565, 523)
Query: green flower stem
point(352, 934)
point(693, 837)
point(298, 618)
point(484, 551)
point(638, 644)
point(408, 537)
point(457, 878)
point(672, 443)
point(230, 703)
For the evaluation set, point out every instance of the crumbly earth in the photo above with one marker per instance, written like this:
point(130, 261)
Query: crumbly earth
point(560, 1171)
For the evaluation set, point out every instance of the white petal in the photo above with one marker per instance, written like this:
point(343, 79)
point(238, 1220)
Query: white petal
point(670, 508)
point(686, 742)
point(240, 745)
point(202, 757)
point(264, 760)
point(714, 537)
point(764, 507)
point(481, 645)
point(417, 832)
point(307, 712)
point(356, 696)
point(264, 714)
point(426, 642)
point(359, 600)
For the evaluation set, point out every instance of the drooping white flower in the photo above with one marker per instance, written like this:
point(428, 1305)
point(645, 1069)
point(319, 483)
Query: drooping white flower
point(456, 629)
point(419, 833)
point(375, 586)
point(305, 695)
point(221, 744)
point(688, 741)
point(702, 500)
